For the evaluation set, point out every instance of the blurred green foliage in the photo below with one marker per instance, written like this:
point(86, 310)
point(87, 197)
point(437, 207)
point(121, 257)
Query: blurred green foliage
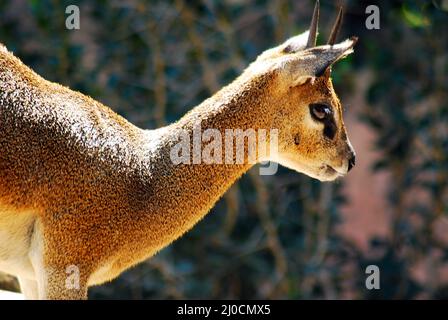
point(269, 237)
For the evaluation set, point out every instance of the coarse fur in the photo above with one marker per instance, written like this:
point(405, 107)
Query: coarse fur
point(81, 186)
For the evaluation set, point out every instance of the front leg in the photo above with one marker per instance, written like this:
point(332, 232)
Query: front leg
point(61, 283)
point(60, 273)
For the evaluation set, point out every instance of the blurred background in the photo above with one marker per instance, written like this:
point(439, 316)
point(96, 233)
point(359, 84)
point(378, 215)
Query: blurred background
point(285, 236)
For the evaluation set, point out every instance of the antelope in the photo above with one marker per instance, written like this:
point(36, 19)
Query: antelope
point(81, 187)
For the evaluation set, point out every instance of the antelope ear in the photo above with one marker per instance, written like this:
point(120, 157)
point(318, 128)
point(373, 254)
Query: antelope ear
point(295, 44)
point(313, 62)
point(292, 45)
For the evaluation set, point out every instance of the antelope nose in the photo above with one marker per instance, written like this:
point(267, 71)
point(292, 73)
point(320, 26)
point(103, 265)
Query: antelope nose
point(351, 161)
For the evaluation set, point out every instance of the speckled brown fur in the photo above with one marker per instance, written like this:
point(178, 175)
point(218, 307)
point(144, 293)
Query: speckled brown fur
point(80, 185)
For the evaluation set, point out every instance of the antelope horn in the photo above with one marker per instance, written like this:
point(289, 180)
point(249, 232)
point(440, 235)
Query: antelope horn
point(313, 27)
point(336, 28)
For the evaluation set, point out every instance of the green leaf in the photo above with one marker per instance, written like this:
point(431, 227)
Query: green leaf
point(413, 18)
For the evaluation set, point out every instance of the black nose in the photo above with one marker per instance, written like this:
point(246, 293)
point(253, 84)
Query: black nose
point(351, 162)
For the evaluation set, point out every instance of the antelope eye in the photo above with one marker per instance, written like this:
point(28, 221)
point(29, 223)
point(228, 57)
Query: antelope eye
point(320, 111)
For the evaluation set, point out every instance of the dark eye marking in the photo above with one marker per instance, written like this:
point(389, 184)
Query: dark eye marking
point(324, 113)
point(330, 129)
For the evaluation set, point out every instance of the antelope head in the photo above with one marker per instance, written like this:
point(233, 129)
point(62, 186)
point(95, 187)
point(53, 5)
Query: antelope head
point(312, 138)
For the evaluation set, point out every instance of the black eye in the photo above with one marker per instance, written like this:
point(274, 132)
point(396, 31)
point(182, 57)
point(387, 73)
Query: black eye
point(320, 111)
